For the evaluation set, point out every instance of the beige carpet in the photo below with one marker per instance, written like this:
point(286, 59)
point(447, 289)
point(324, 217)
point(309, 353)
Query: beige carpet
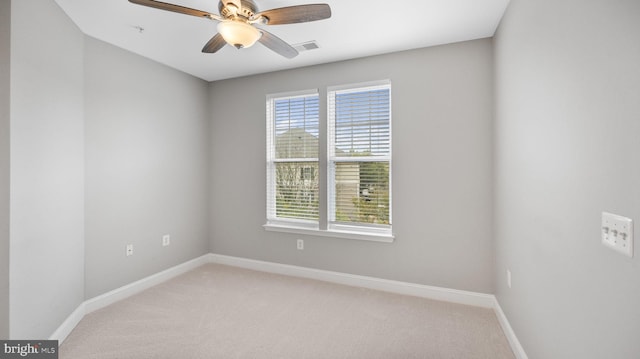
point(217, 311)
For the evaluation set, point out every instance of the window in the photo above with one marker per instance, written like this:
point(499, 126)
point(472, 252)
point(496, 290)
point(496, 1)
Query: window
point(359, 158)
point(292, 158)
point(356, 167)
point(307, 173)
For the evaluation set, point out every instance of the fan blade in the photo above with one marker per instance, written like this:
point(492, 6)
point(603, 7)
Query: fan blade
point(277, 44)
point(216, 43)
point(175, 8)
point(296, 14)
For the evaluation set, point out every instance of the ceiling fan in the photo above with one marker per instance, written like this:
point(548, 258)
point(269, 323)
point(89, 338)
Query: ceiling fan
point(237, 21)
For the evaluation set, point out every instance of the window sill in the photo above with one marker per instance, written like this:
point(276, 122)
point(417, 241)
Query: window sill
point(384, 238)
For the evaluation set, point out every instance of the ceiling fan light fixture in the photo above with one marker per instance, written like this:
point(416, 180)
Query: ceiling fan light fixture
point(238, 33)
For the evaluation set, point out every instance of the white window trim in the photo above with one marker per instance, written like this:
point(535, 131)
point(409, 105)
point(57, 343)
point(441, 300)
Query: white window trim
point(333, 230)
point(331, 157)
point(334, 233)
point(271, 160)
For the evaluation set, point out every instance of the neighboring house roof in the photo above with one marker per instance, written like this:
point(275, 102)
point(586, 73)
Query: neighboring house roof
point(296, 143)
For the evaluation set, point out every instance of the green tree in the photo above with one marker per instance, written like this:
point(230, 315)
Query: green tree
point(297, 190)
point(372, 203)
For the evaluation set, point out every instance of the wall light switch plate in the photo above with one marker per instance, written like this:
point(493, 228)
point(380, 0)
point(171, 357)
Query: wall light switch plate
point(617, 233)
point(166, 240)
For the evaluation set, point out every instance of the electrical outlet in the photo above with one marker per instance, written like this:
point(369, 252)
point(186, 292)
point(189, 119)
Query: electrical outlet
point(166, 240)
point(509, 279)
point(129, 250)
point(617, 233)
point(300, 244)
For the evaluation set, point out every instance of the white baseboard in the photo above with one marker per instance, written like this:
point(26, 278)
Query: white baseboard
point(517, 348)
point(69, 324)
point(418, 290)
point(121, 293)
point(392, 286)
point(138, 286)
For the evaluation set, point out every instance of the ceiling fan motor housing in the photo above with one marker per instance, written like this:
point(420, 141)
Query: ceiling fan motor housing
point(247, 9)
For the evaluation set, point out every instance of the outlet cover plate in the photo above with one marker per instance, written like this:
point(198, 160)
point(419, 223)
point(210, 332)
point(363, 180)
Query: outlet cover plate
point(617, 233)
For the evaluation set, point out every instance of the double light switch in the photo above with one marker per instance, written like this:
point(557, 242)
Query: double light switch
point(617, 233)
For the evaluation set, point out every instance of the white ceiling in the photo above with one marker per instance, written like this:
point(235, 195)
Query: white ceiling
point(357, 28)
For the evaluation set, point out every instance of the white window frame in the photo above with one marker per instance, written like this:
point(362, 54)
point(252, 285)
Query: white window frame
point(272, 219)
point(360, 228)
point(323, 227)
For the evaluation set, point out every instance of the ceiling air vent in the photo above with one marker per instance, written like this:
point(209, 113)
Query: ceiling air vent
point(306, 46)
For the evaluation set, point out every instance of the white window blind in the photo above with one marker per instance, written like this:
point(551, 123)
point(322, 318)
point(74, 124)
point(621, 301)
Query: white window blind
point(292, 158)
point(359, 158)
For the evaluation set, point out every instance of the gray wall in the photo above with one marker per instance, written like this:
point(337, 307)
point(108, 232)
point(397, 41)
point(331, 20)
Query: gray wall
point(47, 168)
point(442, 168)
point(567, 148)
point(5, 43)
point(137, 131)
point(147, 141)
